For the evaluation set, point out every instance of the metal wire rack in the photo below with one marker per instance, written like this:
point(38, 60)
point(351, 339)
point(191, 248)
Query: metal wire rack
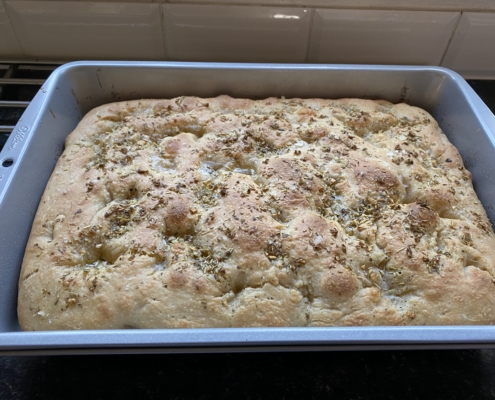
point(19, 82)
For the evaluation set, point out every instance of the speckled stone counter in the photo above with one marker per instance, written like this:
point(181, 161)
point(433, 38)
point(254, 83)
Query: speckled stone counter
point(468, 374)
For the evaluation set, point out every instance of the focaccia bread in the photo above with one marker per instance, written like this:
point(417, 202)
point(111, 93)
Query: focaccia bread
point(229, 212)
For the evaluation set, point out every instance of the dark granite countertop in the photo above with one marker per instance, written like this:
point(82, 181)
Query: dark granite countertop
point(411, 374)
point(380, 375)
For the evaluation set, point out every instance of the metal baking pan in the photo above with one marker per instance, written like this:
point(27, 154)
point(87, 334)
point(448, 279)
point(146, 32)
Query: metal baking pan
point(75, 88)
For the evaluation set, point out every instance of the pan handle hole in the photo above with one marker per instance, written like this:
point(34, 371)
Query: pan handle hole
point(7, 163)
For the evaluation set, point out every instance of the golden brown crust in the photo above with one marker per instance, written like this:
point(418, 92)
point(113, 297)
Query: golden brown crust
point(230, 212)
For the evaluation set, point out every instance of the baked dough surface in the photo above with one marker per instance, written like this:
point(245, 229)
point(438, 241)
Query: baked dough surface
point(229, 212)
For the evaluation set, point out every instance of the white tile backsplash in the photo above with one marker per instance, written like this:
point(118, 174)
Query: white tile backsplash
point(92, 30)
point(291, 31)
point(381, 37)
point(9, 46)
point(236, 33)
point(472, 49)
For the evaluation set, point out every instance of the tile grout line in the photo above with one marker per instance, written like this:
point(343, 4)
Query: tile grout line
point(164, 38)
point(315, 6)
point(310, 33)
point(451, 38)
point(282, 5)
